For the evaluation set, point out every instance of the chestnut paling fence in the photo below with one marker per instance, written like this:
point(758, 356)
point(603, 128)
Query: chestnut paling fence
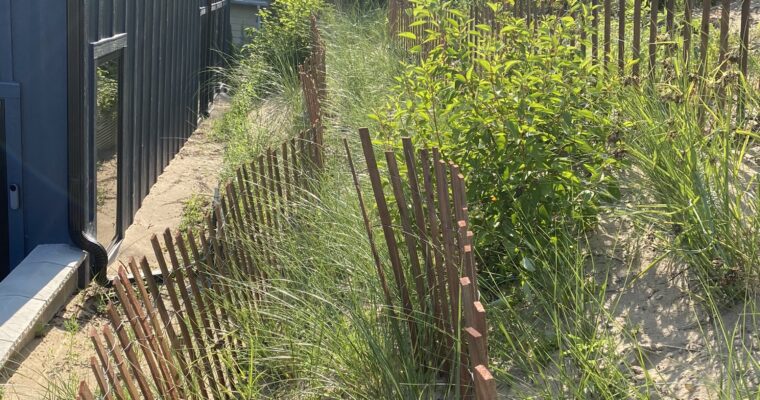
point(640, 41)
point(167, 336)
point(429, 228)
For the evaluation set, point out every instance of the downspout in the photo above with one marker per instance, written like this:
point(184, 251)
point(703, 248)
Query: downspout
point(78, 174)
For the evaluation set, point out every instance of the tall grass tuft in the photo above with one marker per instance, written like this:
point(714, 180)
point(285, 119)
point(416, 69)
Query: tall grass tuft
point(319, 327)
point(700, 190)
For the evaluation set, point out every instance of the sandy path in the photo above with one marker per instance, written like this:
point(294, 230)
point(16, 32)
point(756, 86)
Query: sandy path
point(52, 365)
point(193, 171)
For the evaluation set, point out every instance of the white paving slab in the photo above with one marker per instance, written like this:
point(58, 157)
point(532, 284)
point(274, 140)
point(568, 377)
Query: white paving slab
point(34, 291)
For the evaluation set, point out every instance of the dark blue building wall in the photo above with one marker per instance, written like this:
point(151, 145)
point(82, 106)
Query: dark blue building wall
point(46, 81)
point(39, 66)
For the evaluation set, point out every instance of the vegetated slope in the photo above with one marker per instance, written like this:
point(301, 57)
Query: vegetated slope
point(547, 156)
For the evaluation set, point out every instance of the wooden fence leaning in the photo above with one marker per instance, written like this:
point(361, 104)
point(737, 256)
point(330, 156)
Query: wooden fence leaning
point(165, 334)
point(156, 348)
point(440, 282)
point(313, 81)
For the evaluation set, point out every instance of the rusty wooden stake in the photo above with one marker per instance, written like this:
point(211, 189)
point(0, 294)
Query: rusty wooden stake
point(390, 238)
point(406, 226)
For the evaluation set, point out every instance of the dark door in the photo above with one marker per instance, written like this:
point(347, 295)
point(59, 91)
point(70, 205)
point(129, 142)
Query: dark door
point(4, 258)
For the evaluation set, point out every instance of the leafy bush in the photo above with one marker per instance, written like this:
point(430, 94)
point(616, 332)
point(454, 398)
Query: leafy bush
point(284, 38)
point(522, 113)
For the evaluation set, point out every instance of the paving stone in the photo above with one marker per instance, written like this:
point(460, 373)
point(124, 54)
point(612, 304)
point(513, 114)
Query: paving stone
point(34, 291)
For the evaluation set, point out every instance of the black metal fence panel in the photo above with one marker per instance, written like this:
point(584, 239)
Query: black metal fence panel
point(171, 53)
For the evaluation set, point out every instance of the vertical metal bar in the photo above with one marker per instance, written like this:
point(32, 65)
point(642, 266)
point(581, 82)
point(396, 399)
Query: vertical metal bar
point(128, 21)
point(163, 80)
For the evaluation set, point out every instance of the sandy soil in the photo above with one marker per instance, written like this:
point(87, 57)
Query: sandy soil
point(649, 298)
point(52, 365)
point(193, 171)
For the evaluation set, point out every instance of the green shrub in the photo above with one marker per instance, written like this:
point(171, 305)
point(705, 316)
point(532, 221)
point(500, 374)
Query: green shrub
point(524, 116)
point(285, 36)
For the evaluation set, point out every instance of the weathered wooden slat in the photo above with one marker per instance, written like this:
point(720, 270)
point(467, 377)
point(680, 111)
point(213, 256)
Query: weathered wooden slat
point(218, 317)
point(265, 198)
point(621, 37)
point(281, 199)
point(296, 167)
point(174, 299)
point(100, 378)
point(607, 31)
point(370, 235)
point(670, 12)
point(148, 348)
point(207, 287)
point(235, 266)
point(435, 236)
point(485, 384)
point(406, 225)
point(636, 43)
point(468, 298)
point(654, 6)
point(288, 196)
point(264, 221)
point(595, 30)
point(220, 237)
point(84, 392)
point(687, 31)
point(704, 38)
point(419, 219)
point(105, 362)
point(480, 321)
point(725, 15)
point(744, 37)
point(134, 363)
point(244, 198)
point(121, 364)
point(166, 322)
point(387, 225)
point(201, 361)
point(237, 233)
point(211, 357)
point(449, 242)
point(165, 355)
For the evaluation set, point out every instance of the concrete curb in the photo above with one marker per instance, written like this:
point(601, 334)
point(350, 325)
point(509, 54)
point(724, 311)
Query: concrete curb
point(34, 292)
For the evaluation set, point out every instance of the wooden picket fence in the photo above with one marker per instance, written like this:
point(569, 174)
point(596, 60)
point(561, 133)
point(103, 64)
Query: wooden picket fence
point(167, 334)
point(435, 231)
point(154, 348)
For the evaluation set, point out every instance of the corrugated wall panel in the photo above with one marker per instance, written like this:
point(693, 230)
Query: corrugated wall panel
point(171, 47)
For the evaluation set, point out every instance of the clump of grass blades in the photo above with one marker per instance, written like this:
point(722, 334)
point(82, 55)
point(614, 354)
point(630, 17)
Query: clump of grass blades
point(554, 339)
point(702, 192)
point(318, 325)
